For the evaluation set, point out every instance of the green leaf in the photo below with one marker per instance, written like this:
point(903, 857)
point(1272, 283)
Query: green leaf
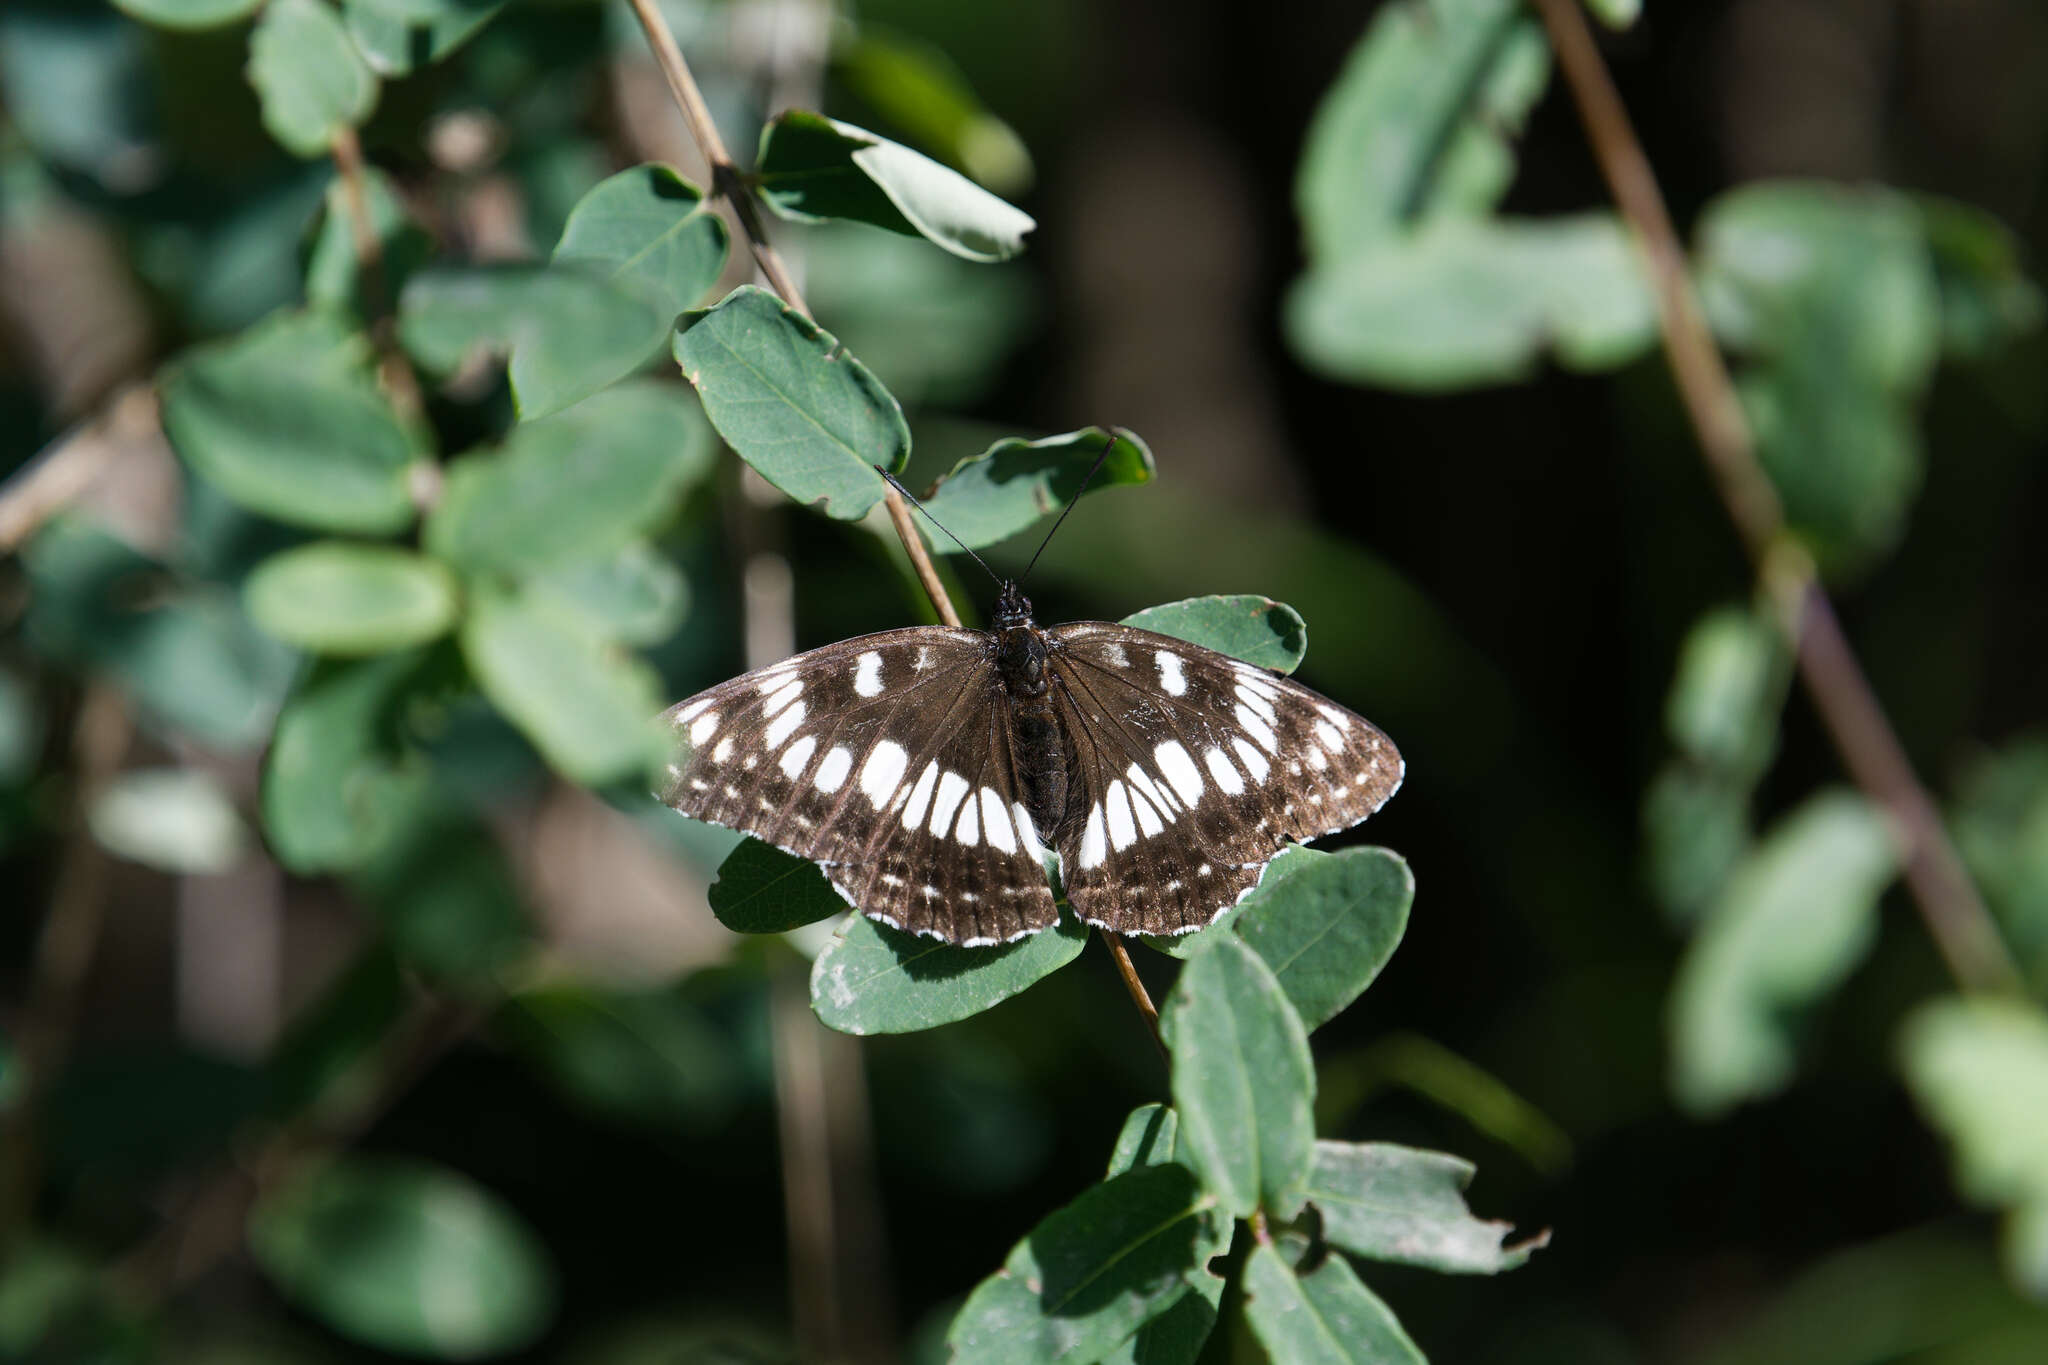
point(763, 890)
point(333, 277)
point(1390, 1203)
point(1987, 301)
point(188, 14)
point(1797, 916)
point(1245, 626)
point(650, 228)
point(634, 594)
point(2001, 827)
point(649, 1058)
point(397, 37)
point(177, 820)
point(1243, 1083)
point(404, 1256)
point(570, 329)
point(333, 597)
point(309, 78)
point(786, 396)
point(286, 420)
point(1616, 14)
point(1979, 1070)
point(1724, 702)
point(1326, 923)
point(336, 783)
point(1326, 1317)
point(1091, 1274)
point(1467, 303)
point(448, 900)
point(1148, 1139)
point(587, 706)
point(873, 979)
point(574, 486)
point(1015, 483)
point(813, 168)
point(328, 1040)
point(915, 85)
point(1695, 832)
point(1416, 126)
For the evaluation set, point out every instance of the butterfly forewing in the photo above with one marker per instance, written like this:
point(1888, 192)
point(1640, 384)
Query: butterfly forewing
point(887, 759)
point(1190, 770)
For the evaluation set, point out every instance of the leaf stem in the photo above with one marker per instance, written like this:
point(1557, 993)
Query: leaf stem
point(375, 294)
point(1139, 996)
point(728, 182)
point(1962, 928)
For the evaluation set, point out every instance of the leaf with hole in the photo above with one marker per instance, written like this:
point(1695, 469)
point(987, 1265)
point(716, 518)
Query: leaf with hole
point(1391, 1203)
point(1016, 483)
point(1245, 626)
point(309, 78)
point(1324, 1317)
point(873, 979)
point(788, 398)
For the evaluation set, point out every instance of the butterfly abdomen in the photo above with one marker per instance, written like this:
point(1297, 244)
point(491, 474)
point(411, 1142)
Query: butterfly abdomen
point(1035, 736)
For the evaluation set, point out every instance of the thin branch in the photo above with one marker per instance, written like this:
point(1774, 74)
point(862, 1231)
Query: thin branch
point(1139, 996)
point(69, 465)
point(1963, 929)
point(374, 292)
point(731, 185)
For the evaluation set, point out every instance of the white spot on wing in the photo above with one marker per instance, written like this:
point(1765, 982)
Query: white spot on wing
point(920, 796)
point(1149, 823)
point(723, 751)
point(1258, 729)
point(831, 774)
point(782, 697)
point(1026, 831)
point(1316, 759)
point(1334, 716)
point(883, 771)
point(969, 830)
point(692, 710)
point(773, 678)
point(1257, 703)
point(704, 727)
point(1161, 796)
point(1170, 676)
point(1115, 654)
point(951, 788)
point(995, 822)
point(793, 759)
point(1116, 805)
point(783, 726)
point(1092, 848)
point(1179, 770)
point(867, 675)
point(1224, 771)
point(1254, 762)
point(1327, 733)
point(924, 658)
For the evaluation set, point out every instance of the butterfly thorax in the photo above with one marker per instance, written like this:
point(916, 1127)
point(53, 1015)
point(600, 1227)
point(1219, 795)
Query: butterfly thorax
point(1041, 757)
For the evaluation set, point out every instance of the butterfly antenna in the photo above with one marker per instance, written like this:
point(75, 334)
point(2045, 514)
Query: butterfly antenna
point(1115, 434)
point(897, 484)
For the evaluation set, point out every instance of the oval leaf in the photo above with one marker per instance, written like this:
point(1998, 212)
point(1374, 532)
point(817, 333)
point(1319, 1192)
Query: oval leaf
point(405, 1256)
point(177, 820)
point(335, 784)
point(812, 168)
point(1326, 1317)
point(873, 979)
point(787, 397)
point(651, 228)
point(763, 890)
point(1245, 626)
point(336, 598)
point(1326, 923)
point(1243, 1083)
point(1015, 483)
point(587, 706)
point(1391, 1203)
point(397, 37)
point(188, 14)
point(1093, 1273)
point(633, 594)
point(1729, 688)
point(572, 486)
point(309, 78)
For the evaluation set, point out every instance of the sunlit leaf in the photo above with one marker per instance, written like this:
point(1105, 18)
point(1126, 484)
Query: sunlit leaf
point(915, 86)
point(404, 1256)
point(1795, 919)
point(763, 890)
point(634, 594)
point(648, 227)
point(873, 979)
point(1245, 626)
point(309, 77)
point(188, 14)
point(1326, 923)
point(1724, 702)
point(787, 397)
point(1325, 1317)
point(1391, 1203)
point(177, 820)
point(1616, 14)
point(1016, 483)
point(334, 597)
point(1148, 1139)
point(813, 168)
point(397, 37)
point(1243, 1083)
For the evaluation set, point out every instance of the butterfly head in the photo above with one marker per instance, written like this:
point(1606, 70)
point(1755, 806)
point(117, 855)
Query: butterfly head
point(1013, 608)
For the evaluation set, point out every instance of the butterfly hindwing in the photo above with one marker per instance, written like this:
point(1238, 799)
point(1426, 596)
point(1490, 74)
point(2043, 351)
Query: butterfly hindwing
point(886, 759)
point(1190, 770)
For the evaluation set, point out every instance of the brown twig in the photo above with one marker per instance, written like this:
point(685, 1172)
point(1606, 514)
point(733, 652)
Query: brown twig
point(1139, 996)
point(375, 293)
point(1963, 929)
point(728, 182)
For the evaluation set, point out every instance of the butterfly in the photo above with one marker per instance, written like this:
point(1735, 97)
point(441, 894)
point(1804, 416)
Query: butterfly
point(930, 770)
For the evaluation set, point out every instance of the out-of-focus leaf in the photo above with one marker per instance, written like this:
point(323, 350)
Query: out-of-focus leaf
point(586, 705)
point(1470, 302)
point(1243, 1083)
point(21, 727)
point(1093, 1273)
point(397, 37)
point(1616, 14)
point(1979, 1069)
point(1416, 126)
point(188, 655)
point(1016, 483)
point(786, 396)
point(446, 895)
point(1695, 831)
point(2001, 826)
point(177, 820)
point(917, 87)
point(571, 329)
point(1724, 702)
point(1795, 919)
point(1452, 1082)
point(873, 979)
point(188, 13)
point(1245, 626)
point(333, 279)
point(1148, 1138)
point(651, 1058)
point(53, 1306)
point(650, 228)
point(635, 594)
point(571, 487)
point(1986, 298)
point(813, 168)
point(404, 1256)
point(81, 92)
point(763, 890)
point(1391, 1203)
point(336, 782)
point(1325, 1317)
point(330, 1038)
point(309, 77)
point(1326, 923)
point(334, 597)
point(286, 420)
